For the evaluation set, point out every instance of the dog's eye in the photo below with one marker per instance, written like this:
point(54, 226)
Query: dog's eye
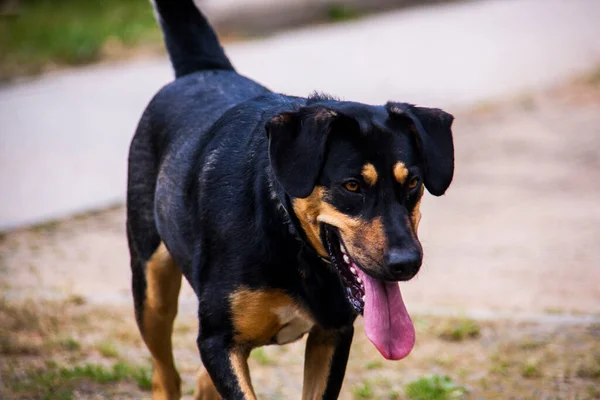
point(352, 186)
point(413, 183)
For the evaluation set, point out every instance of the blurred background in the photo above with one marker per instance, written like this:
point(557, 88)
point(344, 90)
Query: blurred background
point(507, 304)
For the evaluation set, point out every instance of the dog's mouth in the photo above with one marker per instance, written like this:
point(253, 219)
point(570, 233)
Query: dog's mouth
point(386, 321)
point(347, 269)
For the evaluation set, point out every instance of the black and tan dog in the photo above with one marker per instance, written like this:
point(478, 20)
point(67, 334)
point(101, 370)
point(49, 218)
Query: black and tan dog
point(286, 215)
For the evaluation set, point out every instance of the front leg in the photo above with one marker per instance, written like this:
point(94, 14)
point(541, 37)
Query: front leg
point(227, 365)
point(325, 362)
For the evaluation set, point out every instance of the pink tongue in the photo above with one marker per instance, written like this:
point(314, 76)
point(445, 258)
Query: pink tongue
point(387, 323)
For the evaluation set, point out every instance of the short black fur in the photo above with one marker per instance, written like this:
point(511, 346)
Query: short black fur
point(216, 165)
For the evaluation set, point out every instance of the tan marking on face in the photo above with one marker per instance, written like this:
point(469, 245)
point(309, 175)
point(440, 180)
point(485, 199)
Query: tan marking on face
point(415, 217)
point(317, 363)
point(259, 316)
point(369, 174)
point(205, 388)
point(364, 239)
point(400, 172)
point(238, 358)
point(307, 210)
point(163, 281)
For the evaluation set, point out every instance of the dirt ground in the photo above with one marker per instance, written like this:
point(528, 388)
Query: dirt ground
point(507, 304)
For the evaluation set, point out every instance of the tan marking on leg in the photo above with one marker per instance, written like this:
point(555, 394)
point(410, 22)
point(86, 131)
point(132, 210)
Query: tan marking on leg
point(239, 362)
point(400, 172)
point(258, 315)
point(317, 363)
point(163, 279)
point(369, 174)
point(205, 388)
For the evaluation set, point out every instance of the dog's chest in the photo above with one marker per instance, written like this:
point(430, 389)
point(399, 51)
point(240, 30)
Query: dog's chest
point(267, 316)
point(294, 324)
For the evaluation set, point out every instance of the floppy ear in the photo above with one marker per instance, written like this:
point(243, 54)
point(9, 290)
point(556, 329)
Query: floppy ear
point(297, 142)
point(434, 138)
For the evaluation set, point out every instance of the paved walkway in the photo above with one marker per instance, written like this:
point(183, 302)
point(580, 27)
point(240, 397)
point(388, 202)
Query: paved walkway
point(64, 137)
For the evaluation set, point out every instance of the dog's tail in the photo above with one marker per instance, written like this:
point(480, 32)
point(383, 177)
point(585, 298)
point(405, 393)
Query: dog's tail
point(191, 41)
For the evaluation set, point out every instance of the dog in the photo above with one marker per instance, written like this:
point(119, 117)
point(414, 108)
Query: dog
point(287, 215)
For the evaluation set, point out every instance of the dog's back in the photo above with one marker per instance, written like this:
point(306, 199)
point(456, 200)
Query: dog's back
point(175, 124)
point(181, 112)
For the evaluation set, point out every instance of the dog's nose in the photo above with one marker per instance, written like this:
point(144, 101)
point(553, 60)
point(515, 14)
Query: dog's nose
point(403, 263)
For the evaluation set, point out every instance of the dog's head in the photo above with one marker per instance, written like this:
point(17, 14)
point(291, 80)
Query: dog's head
point(355, 174)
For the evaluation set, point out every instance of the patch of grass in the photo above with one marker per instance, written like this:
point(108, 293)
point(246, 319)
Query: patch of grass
point(127, 335)
point(434, 388)
point(530, 344)
point(393, 394)
point(71, 32)
point(459, 330)
point(70, 344)
point(189, 392)
point(340, 13)
point(373, 365)
point(363, 391)
point(19, 345)
point(593, 392)
point(30, 316)
point(107, 349)
point(55, 382)
point(500, 367)
point(142, 377)
point(531, 369)
point(261, 357)
point(444, 359)
point(590, 369)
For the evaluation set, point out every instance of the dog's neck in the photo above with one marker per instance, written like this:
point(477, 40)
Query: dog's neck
point(284, 205)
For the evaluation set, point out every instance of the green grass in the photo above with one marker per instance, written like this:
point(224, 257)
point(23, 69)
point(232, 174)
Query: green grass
point(107, 349)
point(71, 32)
point(374, 365)
point(341, 13)
point(363, 391)
point(261, 357)
point(531, 369)
point(54, 382)
point(434, 388)
point(70, 344)
point(459, 330)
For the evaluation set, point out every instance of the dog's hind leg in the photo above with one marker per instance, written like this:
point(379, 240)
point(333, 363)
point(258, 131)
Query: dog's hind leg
point(156, 279)
point(155, 317)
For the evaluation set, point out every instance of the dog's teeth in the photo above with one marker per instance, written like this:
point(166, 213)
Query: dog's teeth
point(358, 280)
point(363, 298)
point(353, 270)
point(342, 249)
point(346, 259)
